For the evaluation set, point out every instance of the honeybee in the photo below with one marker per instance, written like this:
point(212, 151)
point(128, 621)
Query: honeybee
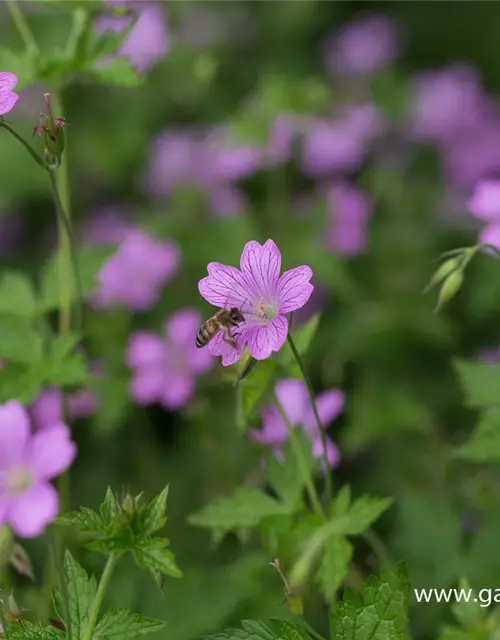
point(224, 320)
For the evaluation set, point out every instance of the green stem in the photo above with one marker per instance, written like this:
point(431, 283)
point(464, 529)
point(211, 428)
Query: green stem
point(22, 27)
point(306, 475)
point(311, 630)
point(36, 157)
point(378, 547)
point(322, 434)
point(96, 604)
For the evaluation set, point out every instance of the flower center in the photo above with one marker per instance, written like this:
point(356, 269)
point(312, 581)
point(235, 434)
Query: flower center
point(264, 310)
point(17, 480)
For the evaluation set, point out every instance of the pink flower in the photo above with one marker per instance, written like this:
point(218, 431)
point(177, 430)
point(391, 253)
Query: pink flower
point(28, 502)
point(7, 97)
point(294, 400)
point(350, 211)
point(262, 295)
point(135, 275)
point(363, 46)
point(491, 235)
point(47, 408)
point(172, 162)
point(106, 226)
point(165, 367)
point(485, 201)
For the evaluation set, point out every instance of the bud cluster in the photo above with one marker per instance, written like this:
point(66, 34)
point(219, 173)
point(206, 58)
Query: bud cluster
point(52, 129)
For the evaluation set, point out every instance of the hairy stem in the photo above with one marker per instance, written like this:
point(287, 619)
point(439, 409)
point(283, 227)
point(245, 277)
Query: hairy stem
point(306, 475)
point(22, 26)
point(99, 596)
point(322, 434)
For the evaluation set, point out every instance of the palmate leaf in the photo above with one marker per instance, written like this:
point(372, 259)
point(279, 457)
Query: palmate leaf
point(382, 612)
point(272, 629)
point(17, 295)
point(31, 631)
point(120, 624)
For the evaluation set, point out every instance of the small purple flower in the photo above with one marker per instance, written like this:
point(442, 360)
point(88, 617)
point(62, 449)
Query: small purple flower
point(226, 201)
point(47, 408)
point(165, 367)
point(136, 273)
point(106, 226)
point(7, 97)
point(350, 211)
point(147, 42)
point(279, 146)
point(485, 201)
point(28, 502)
point(365, 45)
point(172, 163)
point(491, 235)
point(294, 400)
point(262, 295)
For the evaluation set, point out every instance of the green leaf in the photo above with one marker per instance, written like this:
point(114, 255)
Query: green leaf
point(480, 382)
point(63, 365)
point(153, 554)
point(118, 73)
point(120, 624)
point(380, 615)
point(302, 338)
point(468, 613)
point(31, 631)
point(89, 261)
point(252, 389)
point(80, 590)
point(110, 508)
point(17, 296)
point(153, 515)
point(286, 476)
point(22, 64)
point(364, 512)
point(245, 508)
point(84, 521)
point(484, 443)
point(272, 629)
point(19, 342)
point(20, 383)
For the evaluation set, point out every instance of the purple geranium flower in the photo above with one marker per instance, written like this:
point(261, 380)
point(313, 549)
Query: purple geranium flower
point(294, 400)
point(262, 295)
point(165, 367)
point(485, 201)
point(47, 408)
point(7, 97)
point(28, 502)
point(350, 211)
point(172, 162)
point(136, 273)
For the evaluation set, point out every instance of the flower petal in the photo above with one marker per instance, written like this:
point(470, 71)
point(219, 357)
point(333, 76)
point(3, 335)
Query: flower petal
point(261, 266)
point(294, 289)
point(292, 395)
point(181, 328)
point(14, 432)
point(51, 452)
point(34, 510)
point(332, 451)
point(264, 339)
point(147, 385)
point(145, 349)
point(273, 432)
point(177, 391)
point(224, 286)
point(8, 81)
point(219, 347)
point(46, 409)
point(329, 404)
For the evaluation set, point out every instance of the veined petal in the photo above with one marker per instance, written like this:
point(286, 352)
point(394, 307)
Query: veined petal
point(266, 338)
point(225, 286)
point(34, 510)
point(14, 432)
point(8, 81)
point(261, 266)
point(219, 347)
point(294, 289)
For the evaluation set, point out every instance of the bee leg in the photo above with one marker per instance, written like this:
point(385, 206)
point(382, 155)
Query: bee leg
point(227, 337)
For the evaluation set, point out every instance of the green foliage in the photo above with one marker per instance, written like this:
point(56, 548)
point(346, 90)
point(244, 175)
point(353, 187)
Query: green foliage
point(480, 382)
point(129, 525)
point(17, 296)
point(120, 624)
point(484, 443)
point(380, 614)
point(270, 630)
point(30, 631)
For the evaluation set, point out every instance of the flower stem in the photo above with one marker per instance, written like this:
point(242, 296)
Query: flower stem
point(322, 434)
point(306, 475)
point(99, 596)
point(36, 157)
point(378, 547)
point(22, 27)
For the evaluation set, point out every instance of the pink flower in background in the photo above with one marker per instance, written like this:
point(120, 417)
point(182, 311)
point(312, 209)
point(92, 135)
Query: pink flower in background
point(491, 235)
point(446, 103)
point(106, 226)
point(28, 502)
point(47, 408)
point(147, 42)
point(136, 273)
point(226, 201)
point(7, 97)
point(172, 162)
point(350, 210)
point(293, 398)
point(281, 135)
point(261, 294)
point(363, 46)
point(485, 201)
point(165, 367)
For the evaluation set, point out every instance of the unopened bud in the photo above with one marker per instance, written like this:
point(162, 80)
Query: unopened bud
point(450, 287)
point(53, 131)
point(443, 272)
point(6, 546)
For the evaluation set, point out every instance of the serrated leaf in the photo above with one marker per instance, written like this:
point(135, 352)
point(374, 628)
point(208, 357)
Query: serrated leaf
point(480, 382)
point(80, 590)
point(84, 521)
point(120, 624)
point(110, 507)
point(153, 515)
point(20, 383)
point(272, 629)
point(380, 615)
point(470, 612)
point(484, 443)
point(31, 631)
point(334, 565)
point(118, 73)
point(153, 554)
point(19, 342)
point(364, 511)
point(17, 296)
point(89, 261)
point(245, 508)
point(63, 365)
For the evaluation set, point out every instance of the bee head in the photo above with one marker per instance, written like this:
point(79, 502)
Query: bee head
point(236, 315)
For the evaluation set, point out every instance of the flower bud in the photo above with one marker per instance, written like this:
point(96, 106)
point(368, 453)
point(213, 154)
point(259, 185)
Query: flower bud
point(450, 287)
point(444, 271)
point(52, 129)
